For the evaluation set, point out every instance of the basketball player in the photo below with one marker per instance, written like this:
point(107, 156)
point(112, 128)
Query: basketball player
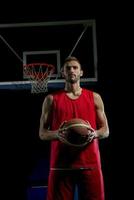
point(70, 166)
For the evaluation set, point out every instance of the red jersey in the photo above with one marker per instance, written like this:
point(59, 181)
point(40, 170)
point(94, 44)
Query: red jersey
point(65, 108)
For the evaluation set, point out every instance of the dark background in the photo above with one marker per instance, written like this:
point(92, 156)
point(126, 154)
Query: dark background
point(21, 148)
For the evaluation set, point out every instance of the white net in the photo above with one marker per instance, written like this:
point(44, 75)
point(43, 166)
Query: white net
point(39, 74)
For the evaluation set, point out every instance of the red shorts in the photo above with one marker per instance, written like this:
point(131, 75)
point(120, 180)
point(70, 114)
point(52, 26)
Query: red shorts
point(61, 185)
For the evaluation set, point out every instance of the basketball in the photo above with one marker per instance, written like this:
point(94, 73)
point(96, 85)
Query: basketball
point(76, 131)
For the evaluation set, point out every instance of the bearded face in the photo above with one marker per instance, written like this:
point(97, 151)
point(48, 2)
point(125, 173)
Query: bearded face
point(72, 72)
point(72, 78)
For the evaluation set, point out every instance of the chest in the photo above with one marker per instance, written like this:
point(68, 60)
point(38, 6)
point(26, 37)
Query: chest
point(78, 107)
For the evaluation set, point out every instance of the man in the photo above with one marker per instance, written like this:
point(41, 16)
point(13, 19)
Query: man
point(70, 166)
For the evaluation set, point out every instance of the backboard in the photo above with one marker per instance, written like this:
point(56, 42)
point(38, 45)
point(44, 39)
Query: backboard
point(46, 42)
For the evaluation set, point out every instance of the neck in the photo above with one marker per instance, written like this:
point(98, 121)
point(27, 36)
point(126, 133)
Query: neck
point(73, 88)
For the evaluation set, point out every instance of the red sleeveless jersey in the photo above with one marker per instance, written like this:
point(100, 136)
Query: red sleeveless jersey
point(64, 108)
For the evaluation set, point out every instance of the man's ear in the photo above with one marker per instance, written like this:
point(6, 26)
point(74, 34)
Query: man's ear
point(62, 72)
point(81, 73)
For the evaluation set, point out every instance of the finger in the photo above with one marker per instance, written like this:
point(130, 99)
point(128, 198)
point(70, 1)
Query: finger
point(91, 129)
point(88, 122)
point(62, 133)
point(90, 132)
point(91, 136)
point(62, 124)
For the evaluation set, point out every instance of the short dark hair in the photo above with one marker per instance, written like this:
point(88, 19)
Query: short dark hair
point(68, 59)
point(71, 58)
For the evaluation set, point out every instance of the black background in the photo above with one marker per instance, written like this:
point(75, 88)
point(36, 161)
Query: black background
point(20, 111)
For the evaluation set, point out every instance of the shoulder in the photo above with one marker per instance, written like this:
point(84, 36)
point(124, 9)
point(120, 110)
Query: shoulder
point(90, 93)
point(58, 94)
point(51, 97)
point(48, 99)
point(96, 95)
point(97, 99)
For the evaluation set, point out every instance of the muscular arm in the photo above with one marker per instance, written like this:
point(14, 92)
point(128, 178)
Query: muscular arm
point(44, 132)
point(102, 123)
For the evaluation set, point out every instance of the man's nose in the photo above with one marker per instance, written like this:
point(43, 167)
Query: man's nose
point(71, 69)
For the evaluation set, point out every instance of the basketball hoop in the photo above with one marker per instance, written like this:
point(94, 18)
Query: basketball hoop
point(39, 74)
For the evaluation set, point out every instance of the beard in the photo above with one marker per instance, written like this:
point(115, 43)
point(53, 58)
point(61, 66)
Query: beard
point(73, 80)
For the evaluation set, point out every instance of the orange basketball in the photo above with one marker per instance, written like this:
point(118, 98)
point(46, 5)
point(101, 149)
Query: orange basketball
point(76, 131)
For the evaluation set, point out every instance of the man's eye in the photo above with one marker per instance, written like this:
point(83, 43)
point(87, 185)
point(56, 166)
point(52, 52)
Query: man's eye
point(75, 67)
point(71, 67)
